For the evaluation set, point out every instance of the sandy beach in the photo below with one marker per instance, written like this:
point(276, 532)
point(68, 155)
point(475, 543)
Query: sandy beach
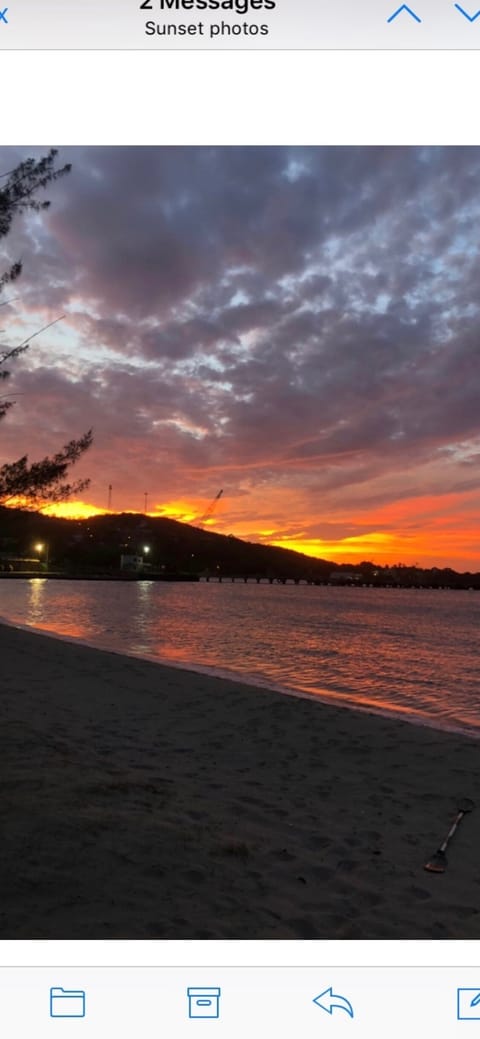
point(142, 801)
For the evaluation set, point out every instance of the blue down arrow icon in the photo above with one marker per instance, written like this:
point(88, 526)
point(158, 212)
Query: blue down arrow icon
point(471, 17)
point(399, 10)
point(328, 1001)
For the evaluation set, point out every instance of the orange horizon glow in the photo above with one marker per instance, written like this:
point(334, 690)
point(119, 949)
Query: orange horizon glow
point(73, 510)
point(177, 510)
point(443, 536)
point(356, 548)
point(182, 511)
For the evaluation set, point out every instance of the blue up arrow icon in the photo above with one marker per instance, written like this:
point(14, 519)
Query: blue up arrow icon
point(399, 10)
point(329, 1001)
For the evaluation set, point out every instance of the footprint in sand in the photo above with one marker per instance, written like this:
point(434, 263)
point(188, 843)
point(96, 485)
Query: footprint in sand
point(347, 865)
point(369, 898)
point(316, 841)
point(420, 892)
point(322, 873)
point(284, 855)
point(197, 876)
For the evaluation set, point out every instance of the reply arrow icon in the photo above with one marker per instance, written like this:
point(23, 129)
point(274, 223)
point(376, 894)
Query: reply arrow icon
point(329, 1001)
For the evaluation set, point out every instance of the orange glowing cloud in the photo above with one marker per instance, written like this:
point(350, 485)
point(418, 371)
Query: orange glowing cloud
point(345, 550)
point(181, 510)
point(187, 512)
point(73, 510)
point(428, 530)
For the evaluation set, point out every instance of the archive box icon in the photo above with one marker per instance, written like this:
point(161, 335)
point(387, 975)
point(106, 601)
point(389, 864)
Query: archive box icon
point(203, 1002)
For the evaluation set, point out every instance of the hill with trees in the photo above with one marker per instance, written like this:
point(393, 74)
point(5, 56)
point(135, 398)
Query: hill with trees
point(93, 547)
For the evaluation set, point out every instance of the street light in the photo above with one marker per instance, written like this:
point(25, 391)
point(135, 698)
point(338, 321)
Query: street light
point(40, 547)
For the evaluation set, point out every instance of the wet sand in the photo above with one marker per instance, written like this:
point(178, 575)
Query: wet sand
point(142, 801)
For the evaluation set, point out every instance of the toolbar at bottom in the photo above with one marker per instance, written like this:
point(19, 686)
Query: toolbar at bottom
point(229, 1002)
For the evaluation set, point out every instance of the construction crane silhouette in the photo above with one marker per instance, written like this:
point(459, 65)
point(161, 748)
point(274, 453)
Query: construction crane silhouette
point(211, 508)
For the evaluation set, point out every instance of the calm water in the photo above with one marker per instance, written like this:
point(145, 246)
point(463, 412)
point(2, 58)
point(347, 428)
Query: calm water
point(414, 653)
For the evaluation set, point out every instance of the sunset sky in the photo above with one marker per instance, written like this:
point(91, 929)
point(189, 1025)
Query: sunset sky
point(297, 327)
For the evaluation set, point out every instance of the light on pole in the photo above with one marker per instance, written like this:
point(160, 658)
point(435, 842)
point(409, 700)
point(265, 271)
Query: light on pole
point(41, 548)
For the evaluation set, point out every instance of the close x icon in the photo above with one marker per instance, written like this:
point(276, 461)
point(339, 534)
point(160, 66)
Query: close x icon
point(3, 15)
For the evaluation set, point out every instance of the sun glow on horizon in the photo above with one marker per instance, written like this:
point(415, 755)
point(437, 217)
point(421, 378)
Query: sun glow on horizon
point(60, 509)
point(73, 510)
point(346, 550)
point(181, 510)
point(440, 541)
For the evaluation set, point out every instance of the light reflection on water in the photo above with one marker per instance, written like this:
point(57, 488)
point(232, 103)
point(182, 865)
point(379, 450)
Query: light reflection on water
point(408, 651)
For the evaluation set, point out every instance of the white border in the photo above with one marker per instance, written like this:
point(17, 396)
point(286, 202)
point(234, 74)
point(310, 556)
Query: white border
point(240, 98)
point(381, 953)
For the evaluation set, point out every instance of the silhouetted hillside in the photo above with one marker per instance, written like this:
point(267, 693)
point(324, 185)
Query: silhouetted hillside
point(95, 546)
point(98, 543)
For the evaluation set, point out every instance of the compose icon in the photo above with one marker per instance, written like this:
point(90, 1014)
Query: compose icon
point(203, 1002)
point(468, 1004)
point(67, 1002)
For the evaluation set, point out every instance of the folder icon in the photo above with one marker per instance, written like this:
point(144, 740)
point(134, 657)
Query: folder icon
point(66, 1002)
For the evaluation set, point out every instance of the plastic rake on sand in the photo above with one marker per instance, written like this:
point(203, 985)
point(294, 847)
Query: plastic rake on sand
point(438, 861)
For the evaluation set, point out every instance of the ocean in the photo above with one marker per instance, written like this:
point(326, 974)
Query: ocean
point(409, 653)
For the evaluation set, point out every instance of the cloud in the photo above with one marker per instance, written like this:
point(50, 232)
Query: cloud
point(301, 321)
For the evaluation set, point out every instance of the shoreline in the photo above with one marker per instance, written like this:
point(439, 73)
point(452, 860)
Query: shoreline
point(325, 698)
point(142, 800)
point(28, 575)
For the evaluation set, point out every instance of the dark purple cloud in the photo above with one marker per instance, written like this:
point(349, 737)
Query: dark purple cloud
point(257, 317)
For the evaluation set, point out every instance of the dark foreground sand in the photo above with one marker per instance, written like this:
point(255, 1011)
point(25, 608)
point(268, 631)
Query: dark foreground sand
point(140, 801)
